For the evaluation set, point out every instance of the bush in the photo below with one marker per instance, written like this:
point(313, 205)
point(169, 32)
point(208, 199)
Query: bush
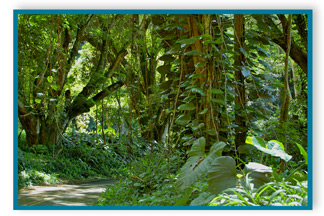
point(150, 182)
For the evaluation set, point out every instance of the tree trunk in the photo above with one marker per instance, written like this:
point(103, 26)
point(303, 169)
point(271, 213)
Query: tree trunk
point(240, 100)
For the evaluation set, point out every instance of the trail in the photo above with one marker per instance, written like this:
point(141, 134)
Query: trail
point(63, 195)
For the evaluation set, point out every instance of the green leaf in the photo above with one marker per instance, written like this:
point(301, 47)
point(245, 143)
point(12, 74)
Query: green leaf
point(265, 64)
point(259, 141)
point(197, 165)
point(273, 148)
point(262, 51)
point(189, 41)
point(37, 100)
point(198, 90)
point(167, 58)
point(55, 87)
point(200, 64)
point(166, 84)
point(198, 147)
point(50, 79)
point(258, 172)
point(184, 197)
point(303, 152)
point(197, 127)
point(203, 112)
point(217, 91)
point(297, 176)
point(194, 52)
point(222, 174)
point(203, 199)
point(218, 101)
point(249, 140)
point(219, 40)
point(211, 132)
point(271, 143)
point(245, 71)
point(164, 69)
point(183, 119)
point(189, 106)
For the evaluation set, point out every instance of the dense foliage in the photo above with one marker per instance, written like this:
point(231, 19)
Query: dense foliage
point(206, 109)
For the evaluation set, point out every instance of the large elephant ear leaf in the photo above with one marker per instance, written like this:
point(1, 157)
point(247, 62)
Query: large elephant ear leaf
point(198, 164)
point(258, 173)
point(222, 174)
point(198, 147)
point(273, 147)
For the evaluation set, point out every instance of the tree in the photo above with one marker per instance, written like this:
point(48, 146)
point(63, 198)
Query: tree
point(240, 98)
point(45, 106)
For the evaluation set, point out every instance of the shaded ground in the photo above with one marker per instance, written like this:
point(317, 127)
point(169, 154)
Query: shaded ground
point(63, 195)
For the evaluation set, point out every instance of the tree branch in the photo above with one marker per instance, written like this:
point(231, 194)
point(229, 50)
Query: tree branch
point(86, 106)
point(296, 53)
point(74, 52)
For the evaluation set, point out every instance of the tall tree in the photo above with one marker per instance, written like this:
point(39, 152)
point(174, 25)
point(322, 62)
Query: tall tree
point(240, 98)
point(43, 113)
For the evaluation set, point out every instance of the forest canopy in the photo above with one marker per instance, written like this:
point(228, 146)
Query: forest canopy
point(223, 93)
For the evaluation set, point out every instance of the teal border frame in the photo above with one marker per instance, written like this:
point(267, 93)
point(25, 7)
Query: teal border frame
point(167, 11)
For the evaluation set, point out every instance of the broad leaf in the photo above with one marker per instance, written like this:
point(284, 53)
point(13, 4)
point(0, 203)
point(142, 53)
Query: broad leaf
point(198, 147)
point(203, 199)
point(167, 58)
point(164, 69)
point(271, 143)
point(189, 106)
point(249, 140)
point(198, 164)
point(272, 148)
point(194, 52)
point(222, 174)
point(184, 198)
point(198, 90)
point(217, 91)
point(183, 119)
point(258, 173)
point(211, 132)
point(297, 176)
point(189, 41)
point(218, 101)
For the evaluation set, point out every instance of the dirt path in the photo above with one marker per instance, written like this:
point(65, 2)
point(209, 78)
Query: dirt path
point(63, 195)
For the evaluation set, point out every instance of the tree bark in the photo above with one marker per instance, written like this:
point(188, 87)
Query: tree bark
point(240, 98)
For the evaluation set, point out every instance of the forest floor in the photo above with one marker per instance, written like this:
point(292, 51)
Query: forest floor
point(63, 195)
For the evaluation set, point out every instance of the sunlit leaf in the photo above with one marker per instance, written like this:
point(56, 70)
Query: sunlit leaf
point(50, 79)
point(37, 100)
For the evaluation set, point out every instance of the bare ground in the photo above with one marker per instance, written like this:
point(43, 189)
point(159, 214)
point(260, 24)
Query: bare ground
point(63, 195)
